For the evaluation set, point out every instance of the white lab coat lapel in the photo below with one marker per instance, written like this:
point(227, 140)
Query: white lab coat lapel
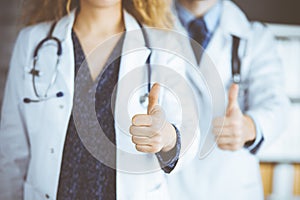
point(216, 48)
point(134, 55)
point(62, 31)
point(219, 48)
point(134, 41)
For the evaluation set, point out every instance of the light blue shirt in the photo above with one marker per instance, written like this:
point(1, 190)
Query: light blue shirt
point(211, 19)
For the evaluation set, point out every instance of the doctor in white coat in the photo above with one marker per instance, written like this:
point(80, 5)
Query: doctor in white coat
point(33, 134)
point(256, 107)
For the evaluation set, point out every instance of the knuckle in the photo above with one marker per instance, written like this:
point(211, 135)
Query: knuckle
point(236, 134)
point(156, 128)
point(158, 140)
point(140, 148)
point(155, 148)
point(131, 129)
point(134, 118)
point(235, 147)
point(133, 140)
point(137, 147)
point(235, 140)
point(234, 125)
point(219, 141)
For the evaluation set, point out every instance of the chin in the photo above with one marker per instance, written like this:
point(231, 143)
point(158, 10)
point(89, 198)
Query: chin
point(102, 3)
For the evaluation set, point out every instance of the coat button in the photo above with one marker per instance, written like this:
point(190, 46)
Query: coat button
point(47, 196)
point(61, 106)
point(52, 150)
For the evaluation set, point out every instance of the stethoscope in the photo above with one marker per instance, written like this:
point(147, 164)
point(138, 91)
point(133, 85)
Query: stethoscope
point(36, 73)
point(235, 66)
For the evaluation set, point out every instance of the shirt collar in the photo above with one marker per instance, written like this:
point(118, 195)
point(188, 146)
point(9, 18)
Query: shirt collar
point(211, 18)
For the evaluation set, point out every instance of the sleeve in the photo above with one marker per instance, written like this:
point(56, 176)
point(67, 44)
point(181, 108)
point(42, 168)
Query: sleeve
point(178, 101)
point(253, 146)
point(168, 160)
point(267, 101)
point(14, 148)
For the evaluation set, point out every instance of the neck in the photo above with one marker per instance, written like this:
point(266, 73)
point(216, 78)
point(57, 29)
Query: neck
point(93, 19)
point(198, 7)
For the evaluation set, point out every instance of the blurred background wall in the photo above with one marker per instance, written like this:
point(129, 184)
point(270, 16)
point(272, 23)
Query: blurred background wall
point(280, 163)
point(9, 25)
point(272, 11)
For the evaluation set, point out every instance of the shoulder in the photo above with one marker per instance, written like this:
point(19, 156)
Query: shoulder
point(34, 31)
point(261, 39)
point(27, 39)
point(170, 41)
point(260, 30)
point(235, 22)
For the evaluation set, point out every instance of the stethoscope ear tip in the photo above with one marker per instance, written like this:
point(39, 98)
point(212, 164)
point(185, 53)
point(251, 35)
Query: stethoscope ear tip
point(26, 100)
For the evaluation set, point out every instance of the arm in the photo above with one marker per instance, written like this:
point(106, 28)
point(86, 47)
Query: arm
point(181, 108)
point(169, 159)
point(176, 110)
point(267, 101)
point(14, 153)
point(263, 117)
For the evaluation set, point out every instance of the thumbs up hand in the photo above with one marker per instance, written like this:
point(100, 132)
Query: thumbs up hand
point(151, 132)
point(235, 129)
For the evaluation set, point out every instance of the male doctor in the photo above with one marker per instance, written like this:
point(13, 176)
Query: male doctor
point(256, 107)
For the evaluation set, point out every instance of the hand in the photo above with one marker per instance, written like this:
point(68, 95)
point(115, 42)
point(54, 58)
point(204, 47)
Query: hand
point(235, 129)
point(151, 133)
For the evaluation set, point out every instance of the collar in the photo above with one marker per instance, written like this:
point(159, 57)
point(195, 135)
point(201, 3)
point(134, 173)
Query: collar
point(211, 18)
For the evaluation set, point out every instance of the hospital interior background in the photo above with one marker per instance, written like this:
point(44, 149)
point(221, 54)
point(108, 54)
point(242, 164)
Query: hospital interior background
point(280, 163)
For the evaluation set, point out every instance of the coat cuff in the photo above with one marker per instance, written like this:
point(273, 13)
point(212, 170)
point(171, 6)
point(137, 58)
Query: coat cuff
point(253, 146)
point(168, 160)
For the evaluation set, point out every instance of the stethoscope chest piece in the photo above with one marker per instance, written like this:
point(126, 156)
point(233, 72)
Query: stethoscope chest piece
point(144, 100)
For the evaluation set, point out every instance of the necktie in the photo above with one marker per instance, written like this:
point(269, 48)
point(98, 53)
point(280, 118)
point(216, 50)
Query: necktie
point(198, 31)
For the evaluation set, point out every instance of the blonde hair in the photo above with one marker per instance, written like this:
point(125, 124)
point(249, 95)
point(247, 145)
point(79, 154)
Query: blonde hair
point(154, 13)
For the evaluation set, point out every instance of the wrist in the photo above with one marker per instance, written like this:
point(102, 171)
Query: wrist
point(171, 140)
point(251, 131)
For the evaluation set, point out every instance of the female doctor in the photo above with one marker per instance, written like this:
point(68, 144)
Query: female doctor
point(42, 155)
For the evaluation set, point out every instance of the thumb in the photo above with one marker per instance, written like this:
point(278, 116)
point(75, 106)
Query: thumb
point(153, 97)
point(232, 98)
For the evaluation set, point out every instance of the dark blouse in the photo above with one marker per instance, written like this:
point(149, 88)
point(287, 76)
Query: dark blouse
point(82, 176)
